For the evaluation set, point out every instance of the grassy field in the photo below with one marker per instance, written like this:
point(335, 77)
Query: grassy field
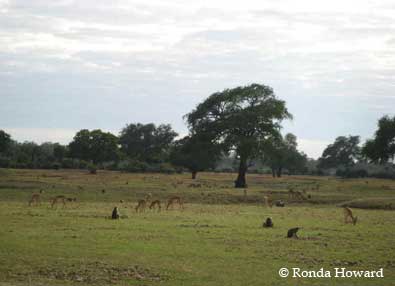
point(217, 239)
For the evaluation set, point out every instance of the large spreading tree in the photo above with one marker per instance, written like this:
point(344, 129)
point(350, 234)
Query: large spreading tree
point(381, 148)
point(240, 119)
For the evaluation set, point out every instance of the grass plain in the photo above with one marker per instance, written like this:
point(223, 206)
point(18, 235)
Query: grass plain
point(217, 239)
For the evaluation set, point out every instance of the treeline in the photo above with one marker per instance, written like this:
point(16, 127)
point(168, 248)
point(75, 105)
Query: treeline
point(347, 158)
point(234, 130)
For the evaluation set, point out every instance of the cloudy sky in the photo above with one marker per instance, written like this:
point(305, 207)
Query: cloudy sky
point(68, 64)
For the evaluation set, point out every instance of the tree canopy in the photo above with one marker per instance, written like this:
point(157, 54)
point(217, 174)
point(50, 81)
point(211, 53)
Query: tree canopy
point(96, 146)
point(345, 151)
point(240, 119)
point(5, 140)
point(381, 148)
point(196, 153)
point(281, 153)
point(146, 142)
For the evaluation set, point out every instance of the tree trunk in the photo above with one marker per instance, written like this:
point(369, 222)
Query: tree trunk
point(194, 175)
point(241, 178)
point(279, 172)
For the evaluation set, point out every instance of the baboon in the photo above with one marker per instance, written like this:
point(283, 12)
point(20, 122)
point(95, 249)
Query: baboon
point(103, 191)
point(292, 232)
point(141, 204)
point(80, 187)
point(57, 199)
point(154, 204)
point(173, 200)
point(127, 183)
point(71, 199)
point(268, 201)
point(115, 213)
point(121, 201)
point(268, 222)
point(348, 216)
point(35, 199)
point(280, 203)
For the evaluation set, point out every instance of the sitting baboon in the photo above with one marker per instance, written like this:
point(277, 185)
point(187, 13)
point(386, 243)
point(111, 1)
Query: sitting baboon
point(115, 213)
point(292, 232)
point(35, 199)
point(121, 201)
point(268, 201)
point(348, 216)
point(141, 204)
point(57, 199)
point(154, 204)
point(268, 222)
point(173, 200)
point(71, 199)
point(280, 203)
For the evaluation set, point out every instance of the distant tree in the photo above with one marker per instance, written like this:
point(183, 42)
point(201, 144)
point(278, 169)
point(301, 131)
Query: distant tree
point(59, 152)
point(5, 141)
point(95, 146)
point(146, 142)
point(381, 148)
point(280, 153)
point(345, 152)
point(240, 119)
point(196, 153)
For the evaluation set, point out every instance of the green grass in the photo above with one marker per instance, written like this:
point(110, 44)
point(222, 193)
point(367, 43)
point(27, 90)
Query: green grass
point(216, 240)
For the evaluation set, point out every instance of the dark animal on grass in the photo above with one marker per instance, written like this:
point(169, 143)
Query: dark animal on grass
point(155, 204)
point(115, 213)
point(292, 232)
point(268, 222)
point(280, 203)
point(71, 199)
point(174, 200)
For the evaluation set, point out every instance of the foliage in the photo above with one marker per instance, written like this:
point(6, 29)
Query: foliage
point(343, 152)
point(5, 140)
point(240, 119)
point(280, 153)
point(146, 142)
point(381, 148)
point(95, 146)
point(196, 153)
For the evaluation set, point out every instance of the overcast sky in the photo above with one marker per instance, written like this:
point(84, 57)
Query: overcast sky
point(67, 65)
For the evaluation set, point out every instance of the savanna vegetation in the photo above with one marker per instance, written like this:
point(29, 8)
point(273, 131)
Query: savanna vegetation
point(90, 220)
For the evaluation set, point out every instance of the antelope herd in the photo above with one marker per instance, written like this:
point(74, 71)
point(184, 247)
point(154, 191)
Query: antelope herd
point(177, 201)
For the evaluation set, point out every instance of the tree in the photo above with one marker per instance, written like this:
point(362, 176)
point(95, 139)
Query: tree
point(95, 146)
point(146, 142)
point(5, 141)
point(59, 152)
point(343, 152)
point(280, 153)
point(240, 119)
point(381, 148)
point(196, 153)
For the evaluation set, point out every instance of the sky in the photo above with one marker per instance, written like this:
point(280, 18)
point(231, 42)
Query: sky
point(66, 65)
